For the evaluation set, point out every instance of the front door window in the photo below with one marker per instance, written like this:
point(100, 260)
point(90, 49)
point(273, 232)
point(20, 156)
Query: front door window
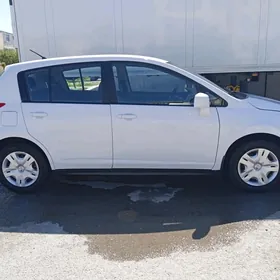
point(145, 84)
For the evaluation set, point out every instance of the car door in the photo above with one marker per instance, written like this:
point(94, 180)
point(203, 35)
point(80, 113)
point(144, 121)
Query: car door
point(63, 109)
point(154, 122)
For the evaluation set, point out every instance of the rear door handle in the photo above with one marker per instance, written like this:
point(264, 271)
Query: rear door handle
point(127, 116)
point(39, 115)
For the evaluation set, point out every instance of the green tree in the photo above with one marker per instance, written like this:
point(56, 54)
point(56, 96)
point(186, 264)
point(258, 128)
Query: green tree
point(8, 56)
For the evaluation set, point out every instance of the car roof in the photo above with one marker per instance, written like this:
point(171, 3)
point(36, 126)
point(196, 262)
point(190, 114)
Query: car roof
point(80, 59)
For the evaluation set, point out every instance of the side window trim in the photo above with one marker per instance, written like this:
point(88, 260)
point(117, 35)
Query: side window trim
point(159, 68)
point(106, 82)
point(82, 79)
point(109, 92)
point(50, 86)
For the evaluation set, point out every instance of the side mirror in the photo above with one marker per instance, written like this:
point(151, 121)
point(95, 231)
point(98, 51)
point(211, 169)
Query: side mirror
point(202, 102)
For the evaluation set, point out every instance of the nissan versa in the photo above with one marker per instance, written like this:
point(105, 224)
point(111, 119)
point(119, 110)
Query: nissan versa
point(126, 114)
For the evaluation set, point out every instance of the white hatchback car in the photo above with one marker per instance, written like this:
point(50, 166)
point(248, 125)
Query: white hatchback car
point(125, 114)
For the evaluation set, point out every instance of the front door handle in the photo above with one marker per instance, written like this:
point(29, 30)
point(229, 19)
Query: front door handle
point(39, 115)
point(127, 116)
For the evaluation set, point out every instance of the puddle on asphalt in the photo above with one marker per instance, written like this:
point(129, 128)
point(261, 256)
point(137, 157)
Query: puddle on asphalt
point(137, 234)
point(136, 247)
point(154, 195)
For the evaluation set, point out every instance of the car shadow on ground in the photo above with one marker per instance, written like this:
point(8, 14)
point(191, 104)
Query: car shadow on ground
point(188, 203)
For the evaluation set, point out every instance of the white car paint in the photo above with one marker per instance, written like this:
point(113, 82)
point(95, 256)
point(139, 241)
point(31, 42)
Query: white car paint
point(80, 135)
point(264, 103)
point(98, 136)
point(164, 137)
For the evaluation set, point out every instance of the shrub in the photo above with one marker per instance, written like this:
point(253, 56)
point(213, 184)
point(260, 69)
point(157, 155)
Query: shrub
point(8, 57)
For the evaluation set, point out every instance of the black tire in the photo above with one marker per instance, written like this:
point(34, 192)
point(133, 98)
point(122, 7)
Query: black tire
point(44, 169)
point(232, 168)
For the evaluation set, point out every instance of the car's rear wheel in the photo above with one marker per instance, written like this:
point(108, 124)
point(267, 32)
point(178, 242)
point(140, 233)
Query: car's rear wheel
point(23, 168)
point(254, 166)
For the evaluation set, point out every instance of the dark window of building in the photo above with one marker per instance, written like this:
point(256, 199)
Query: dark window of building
point(273, 85)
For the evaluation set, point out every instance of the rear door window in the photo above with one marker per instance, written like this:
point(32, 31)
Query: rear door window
point(88, 78)
point(75, 83)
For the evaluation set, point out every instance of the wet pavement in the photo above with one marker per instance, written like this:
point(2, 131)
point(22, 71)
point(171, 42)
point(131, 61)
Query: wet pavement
point(134, 222)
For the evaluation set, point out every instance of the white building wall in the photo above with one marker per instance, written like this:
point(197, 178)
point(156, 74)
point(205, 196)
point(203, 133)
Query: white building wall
point(206, 35)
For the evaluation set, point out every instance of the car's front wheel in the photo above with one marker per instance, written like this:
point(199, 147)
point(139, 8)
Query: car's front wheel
point(254, 166)
point(23, 167)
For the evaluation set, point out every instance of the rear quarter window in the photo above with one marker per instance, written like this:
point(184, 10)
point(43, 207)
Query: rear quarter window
point(37, 85)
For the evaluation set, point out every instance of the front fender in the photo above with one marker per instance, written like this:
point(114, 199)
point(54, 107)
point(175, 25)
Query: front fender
point(236, 124)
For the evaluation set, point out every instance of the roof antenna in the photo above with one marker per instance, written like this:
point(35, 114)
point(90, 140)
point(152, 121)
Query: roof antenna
point(43, 57)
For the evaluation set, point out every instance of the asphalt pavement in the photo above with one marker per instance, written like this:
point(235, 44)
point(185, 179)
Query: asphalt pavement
point(191, 228)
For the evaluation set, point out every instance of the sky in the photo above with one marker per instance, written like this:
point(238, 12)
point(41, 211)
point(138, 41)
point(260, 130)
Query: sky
point(5, 17)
